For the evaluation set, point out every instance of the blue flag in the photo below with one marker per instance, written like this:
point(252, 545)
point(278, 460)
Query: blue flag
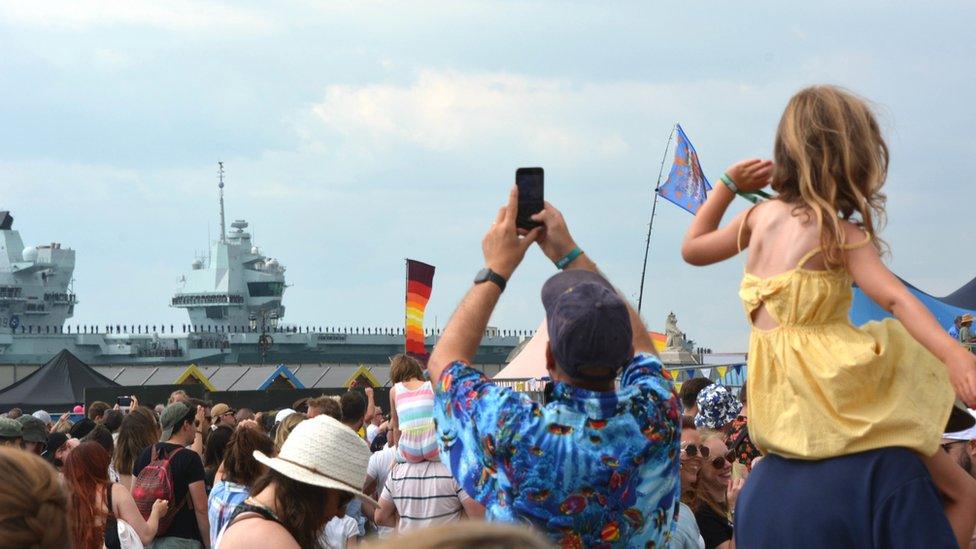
point(687, 185)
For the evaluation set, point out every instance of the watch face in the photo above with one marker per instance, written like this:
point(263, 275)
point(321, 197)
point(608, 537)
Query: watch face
point(482, 276)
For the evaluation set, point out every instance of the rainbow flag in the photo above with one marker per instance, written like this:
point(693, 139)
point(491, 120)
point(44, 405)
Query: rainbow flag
point(420, 281)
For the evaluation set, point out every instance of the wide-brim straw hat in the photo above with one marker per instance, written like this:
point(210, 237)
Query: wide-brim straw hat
point(323, 452)
point(965, 318)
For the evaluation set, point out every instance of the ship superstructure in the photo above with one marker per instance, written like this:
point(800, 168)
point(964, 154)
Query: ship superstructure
point(233, 299)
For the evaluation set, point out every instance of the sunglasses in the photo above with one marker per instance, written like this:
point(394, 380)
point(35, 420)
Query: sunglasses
point(719, 462)
point(695, 450)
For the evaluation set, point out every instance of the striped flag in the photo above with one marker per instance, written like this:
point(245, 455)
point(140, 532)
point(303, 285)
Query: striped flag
point(420, 281)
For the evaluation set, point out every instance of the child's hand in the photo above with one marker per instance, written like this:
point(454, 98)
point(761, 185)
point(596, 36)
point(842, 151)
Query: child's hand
point(962, 373)
point(751, 175)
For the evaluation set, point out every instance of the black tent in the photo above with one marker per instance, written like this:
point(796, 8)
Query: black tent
point(964, 298)
point(56, 386)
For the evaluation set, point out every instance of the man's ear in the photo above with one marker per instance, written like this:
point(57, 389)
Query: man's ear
point(550, 362)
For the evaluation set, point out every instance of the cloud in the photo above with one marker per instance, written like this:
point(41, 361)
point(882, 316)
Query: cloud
point(177, 15)
point(446, 111)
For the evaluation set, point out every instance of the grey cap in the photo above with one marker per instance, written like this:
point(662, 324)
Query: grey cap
point(34, 430)
point(171, 415)
point(43, 416)
point(10, 428)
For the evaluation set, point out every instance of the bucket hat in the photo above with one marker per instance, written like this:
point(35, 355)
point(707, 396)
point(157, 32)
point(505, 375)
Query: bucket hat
point(717, 406)
point(172, 415)
point(34, 430)
point(323, 452)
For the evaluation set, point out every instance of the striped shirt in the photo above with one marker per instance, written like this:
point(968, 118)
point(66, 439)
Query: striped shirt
point(415, 415)
point(425, 494)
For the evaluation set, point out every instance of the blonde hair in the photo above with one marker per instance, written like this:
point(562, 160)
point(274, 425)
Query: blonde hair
point(700, 496)
point(285, 428)
point(35, 508)
point(404, 368)
point(831, 159)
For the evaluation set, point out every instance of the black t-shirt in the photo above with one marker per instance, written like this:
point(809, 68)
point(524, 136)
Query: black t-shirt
point(186, 468)
point(715, 528)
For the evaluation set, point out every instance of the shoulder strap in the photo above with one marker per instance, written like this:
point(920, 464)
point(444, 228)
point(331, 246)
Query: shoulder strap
point(259, 510)
point(807, 257)
point(742, 226)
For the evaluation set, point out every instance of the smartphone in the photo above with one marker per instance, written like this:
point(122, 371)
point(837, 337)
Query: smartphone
point(530, 197)
point(124, 402)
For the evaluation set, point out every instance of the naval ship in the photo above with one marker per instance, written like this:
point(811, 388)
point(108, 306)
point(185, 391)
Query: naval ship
point(235, 315)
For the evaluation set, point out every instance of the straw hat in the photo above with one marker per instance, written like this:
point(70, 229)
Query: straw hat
point(965, 318)
point(323, 452)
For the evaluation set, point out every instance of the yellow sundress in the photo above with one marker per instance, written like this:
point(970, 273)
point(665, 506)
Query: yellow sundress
point(821, 387)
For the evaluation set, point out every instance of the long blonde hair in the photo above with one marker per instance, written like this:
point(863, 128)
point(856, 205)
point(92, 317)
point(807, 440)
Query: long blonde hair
point(831, 159)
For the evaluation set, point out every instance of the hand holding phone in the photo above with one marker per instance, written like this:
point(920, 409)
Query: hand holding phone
point(530, 197)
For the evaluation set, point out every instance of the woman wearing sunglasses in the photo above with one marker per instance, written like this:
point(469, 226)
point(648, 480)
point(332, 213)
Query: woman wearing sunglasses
point(686, 534)
point(714, 492)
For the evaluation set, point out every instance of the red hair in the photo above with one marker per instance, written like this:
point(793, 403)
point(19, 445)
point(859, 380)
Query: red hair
point(85, 474)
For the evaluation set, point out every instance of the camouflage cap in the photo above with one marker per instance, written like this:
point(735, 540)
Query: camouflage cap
point(10, 428)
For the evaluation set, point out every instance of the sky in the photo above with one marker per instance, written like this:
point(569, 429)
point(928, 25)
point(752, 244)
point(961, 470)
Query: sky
point(356, 134)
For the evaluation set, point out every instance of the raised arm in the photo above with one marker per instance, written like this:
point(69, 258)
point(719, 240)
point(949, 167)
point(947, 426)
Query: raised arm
point(556, 243)
point(886, 290)
point(705, 243)
point(503, 250)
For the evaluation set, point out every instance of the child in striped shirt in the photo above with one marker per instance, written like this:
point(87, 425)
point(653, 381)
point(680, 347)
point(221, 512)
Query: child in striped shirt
point(412, 412)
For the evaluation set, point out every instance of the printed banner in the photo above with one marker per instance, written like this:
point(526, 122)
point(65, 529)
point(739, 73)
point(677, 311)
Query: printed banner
point(420, 282)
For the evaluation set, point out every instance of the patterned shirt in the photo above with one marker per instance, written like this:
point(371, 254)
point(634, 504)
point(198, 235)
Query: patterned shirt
point(590, 468)
point(224, 498)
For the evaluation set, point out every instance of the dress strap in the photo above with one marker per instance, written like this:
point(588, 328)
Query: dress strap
point(807, 257)
point(742, 226)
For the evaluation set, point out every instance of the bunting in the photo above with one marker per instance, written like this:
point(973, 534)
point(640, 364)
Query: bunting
point(420, 282)
point(721, 371)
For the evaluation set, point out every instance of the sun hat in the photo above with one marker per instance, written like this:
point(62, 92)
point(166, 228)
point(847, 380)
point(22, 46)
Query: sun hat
point(82, 428)
point(588, 323)
point(717, 407)
point(965, 318)
point(963, 434)
point(54, 443)
point(43, 416)
point(219, 410)
point(34, 429)
point(172, 415)
point(323, 452)
point(282, 414)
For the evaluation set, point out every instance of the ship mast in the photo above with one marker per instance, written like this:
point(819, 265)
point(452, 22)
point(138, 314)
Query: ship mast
point(223, 229)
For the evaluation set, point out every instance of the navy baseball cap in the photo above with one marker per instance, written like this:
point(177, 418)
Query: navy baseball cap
point(589, 325)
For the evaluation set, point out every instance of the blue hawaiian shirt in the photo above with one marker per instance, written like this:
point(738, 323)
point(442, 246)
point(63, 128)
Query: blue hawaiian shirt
point(590, 469)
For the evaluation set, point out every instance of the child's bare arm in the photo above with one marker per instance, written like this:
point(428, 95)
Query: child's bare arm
point(886, 290)
point(705, 243)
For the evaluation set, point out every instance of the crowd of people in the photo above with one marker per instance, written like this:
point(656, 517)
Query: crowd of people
point(846, 436)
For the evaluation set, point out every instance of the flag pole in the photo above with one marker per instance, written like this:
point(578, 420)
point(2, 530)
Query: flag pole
point(650, 226)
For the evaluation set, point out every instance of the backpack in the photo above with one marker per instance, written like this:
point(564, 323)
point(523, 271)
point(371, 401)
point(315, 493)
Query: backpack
point(155, 481)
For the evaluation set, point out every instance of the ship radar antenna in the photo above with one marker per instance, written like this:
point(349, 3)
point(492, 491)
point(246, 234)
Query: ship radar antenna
point(223, 229)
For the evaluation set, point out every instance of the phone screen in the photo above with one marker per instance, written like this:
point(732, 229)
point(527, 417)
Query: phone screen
point(530, 196)
point(124, 402)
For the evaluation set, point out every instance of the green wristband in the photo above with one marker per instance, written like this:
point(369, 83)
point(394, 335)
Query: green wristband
point(565, 260)
point(729, 183)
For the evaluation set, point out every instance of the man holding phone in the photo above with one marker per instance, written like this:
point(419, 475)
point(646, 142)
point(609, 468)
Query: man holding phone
point(596, 466)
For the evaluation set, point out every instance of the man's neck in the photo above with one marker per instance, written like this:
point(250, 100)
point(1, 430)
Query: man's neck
point(179, 441)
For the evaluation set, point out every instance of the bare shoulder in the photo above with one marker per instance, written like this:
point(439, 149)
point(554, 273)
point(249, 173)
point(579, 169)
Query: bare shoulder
point(257, 533)
point(854, 233)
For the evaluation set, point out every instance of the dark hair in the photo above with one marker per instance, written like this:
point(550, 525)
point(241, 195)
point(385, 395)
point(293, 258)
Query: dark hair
point(688, 423)
point(138, 431)
point(239, 463)
point(97, 409)
point(403, 368)
point(112, 420)
point(328, 405)
point(15, 413)
point(35, 507)
point(213, 452)
point(690, 389)
point(299, 506)
point(85, 473)
point(268, 422)
point(192, 403)
point(353, 405)
point(300, 405)
point(103, 437)
point(547, 390)
point(742, 394)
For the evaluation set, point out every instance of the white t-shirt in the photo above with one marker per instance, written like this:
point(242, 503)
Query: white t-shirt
point(371, 432)
point(337, 531)
point(379, 467)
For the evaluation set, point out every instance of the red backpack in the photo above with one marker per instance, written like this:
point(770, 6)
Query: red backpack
point(155, 481)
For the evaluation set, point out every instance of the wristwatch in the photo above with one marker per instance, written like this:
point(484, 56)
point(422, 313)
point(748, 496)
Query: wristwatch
point(486, 274)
